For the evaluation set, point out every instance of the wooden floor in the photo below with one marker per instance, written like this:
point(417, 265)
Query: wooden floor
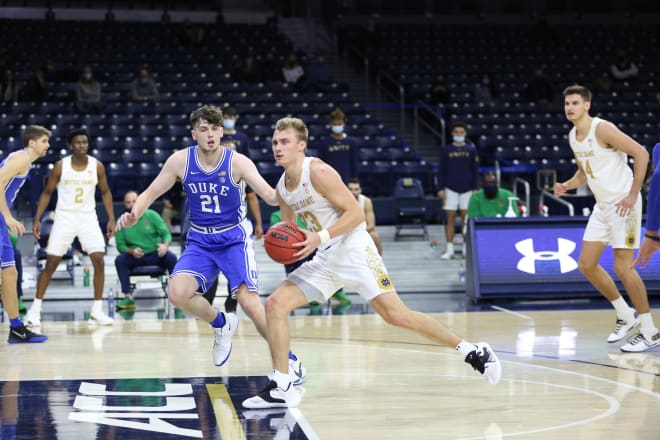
point(145, 377)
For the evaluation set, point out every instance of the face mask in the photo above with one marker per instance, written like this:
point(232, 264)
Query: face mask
point(490, 191)
point(459, 139)
point(337, 129)
point(229, 124)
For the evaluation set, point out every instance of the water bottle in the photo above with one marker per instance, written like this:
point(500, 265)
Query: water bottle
point(86, 276)
point(111, 303)
point(510, 212)
point(461, 273)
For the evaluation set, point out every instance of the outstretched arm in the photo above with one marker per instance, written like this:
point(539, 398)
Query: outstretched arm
point(44, 199)
point(247, 170)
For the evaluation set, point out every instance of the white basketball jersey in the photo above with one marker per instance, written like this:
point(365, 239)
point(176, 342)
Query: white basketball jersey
point(608, 175)
point(317, 212)
point(76, 189)
point(361, 201)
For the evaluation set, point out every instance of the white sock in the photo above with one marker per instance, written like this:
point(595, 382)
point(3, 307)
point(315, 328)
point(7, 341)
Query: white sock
point(97, 305)
point(623, 311)
point(647, 328)
point(36, 305)
point(465, 347)
point(283, 380)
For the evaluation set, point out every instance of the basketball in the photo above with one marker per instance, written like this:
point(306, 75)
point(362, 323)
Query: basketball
point(279, 239)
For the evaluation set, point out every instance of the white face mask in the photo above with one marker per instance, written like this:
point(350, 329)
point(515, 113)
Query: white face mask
point(337, 129)
point(229, 124)
point(459, 139)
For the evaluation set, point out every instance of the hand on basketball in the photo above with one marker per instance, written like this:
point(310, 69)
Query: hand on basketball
point(560, 189)
point(126, 220)
point(646, 251)
point(312, 241)
point(624, 206)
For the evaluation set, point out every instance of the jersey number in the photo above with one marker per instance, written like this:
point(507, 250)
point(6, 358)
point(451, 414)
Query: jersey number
point(78, 198)
point(588, 170)
point(311, 221)
point(210, 204)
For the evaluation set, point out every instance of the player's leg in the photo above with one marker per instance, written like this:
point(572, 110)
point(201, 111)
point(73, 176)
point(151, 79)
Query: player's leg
point(376, 238)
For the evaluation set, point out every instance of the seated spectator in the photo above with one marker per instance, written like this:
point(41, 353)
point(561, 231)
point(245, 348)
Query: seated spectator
point(146, 243)
point(144, 88)
point(8, 88)
point(88, 92)
point(623, 69)
point(338, 149)
point(490, 200)
point(36, 89)
point(246, 71)
point(191, 34)
point(485, 90)
point(292, 71)
point(439, 91)
point(539, 89)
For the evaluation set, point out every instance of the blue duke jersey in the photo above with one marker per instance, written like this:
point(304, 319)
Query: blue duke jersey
point(15, 183)
point(214, 199)
point(220, 236)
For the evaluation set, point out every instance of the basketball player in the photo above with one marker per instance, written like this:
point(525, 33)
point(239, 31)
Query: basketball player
point(368, 207)
point(220, 237)
point(76, 178)
point(601, 151)
point(14, 170)
point(346, 255)
point(651, 242)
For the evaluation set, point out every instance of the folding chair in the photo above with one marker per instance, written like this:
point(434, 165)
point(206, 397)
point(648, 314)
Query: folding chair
point(410, 206)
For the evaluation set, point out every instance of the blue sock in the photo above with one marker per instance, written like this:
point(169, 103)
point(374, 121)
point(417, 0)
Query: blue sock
point(219, 320)
point(292, 356)
point(16, 322)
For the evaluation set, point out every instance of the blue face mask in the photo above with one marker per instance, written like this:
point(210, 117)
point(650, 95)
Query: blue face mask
point(229, 124)
point(459, 139)
point(337, 129)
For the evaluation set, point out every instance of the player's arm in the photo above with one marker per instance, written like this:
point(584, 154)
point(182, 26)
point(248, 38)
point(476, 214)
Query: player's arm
point(16, 165)
point(255, 210)
point(609, 134)
point(106, 197)
point(164, 181)
point(44, 198)
point(247, 170)
point(286, 213)
point(578, 179)
point(328, 183)
point(369, 214)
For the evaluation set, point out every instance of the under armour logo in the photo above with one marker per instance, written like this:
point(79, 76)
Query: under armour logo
point(527, 264)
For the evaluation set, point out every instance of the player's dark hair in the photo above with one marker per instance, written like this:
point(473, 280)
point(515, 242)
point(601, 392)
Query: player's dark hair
point(34, 132)
point(76, 132)
point(210, 113)
point(354, 180)
point(577, 89)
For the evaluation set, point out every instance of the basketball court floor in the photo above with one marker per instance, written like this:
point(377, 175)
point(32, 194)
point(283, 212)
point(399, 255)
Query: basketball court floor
point(151, 374)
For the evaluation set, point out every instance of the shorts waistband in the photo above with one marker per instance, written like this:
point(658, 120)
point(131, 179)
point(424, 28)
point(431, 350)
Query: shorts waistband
point(211, 229)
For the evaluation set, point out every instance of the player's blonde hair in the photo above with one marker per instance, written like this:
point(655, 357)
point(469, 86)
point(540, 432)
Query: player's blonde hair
point(296, 124)
point(34, 132)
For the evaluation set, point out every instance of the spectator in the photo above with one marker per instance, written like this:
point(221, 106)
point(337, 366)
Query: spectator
point(146, 243)
point(144, 88)
point(439, 92)
point(485, 90)
point(191, 34)
point(246, 71)
point(338, 149)
point(369, 215)
point(172, 204)
point(88, 92)
point(8, 88)
point(232, 138)
point(539, 89)
point(269, 68)
point(490, 200)
point(292, 71)
point(36, 89)
point(457, 179)
point(623, 69)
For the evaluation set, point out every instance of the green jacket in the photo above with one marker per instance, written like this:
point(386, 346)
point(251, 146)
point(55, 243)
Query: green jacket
point(482, 206)
point(147, 234)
